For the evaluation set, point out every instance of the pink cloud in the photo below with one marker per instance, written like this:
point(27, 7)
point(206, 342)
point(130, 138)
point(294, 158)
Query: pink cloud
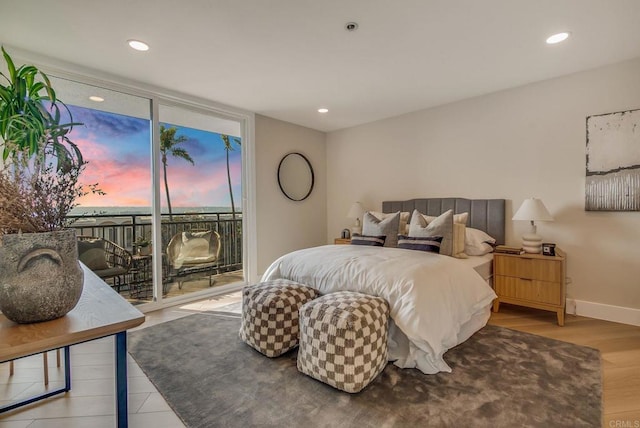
point(191, 187)
point(126, 179)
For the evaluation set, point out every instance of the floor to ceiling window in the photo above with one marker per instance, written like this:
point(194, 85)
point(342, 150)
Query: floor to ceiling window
point(200, 180)
point(188, 240)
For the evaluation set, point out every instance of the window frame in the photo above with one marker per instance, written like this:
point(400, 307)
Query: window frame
point(158, 96)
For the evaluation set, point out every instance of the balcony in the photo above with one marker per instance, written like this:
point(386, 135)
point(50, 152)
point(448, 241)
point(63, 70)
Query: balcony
point(136, 284)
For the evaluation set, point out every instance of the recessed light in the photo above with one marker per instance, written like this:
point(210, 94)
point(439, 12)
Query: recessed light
point(557, 38)
point(96, 98)
point(323, 110)
point(351, 26)
point(138, 45)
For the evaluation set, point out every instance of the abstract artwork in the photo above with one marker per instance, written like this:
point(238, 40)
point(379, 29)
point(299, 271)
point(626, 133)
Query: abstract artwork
point(613, 162)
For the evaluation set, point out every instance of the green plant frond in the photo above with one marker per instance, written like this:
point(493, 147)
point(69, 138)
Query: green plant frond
point(10, 65)
point(33, 129)
point(227, 142)
point(21, 92)
point(50, 91)
point(28, 79)
point(55, 110)
point(36, 87)
point(68, 112)
point(65, 158)
point(34, 109)
point(27, 70)
point(44, 113)
point(76, 151)
point(66, 128)
point(4, 94)
point(168, 139)
point(179, 152)
point(33, 145)
point(24, 125)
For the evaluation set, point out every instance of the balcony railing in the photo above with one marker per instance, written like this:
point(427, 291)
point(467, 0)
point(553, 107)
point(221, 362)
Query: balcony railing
point(125, 229)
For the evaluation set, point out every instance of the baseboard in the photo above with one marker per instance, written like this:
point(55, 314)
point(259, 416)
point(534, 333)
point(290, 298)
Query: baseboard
point(601, 311)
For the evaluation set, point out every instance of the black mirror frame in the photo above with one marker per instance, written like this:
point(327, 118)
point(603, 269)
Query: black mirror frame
point(310, 169)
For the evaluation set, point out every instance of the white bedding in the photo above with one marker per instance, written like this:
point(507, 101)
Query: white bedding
point(436, 301)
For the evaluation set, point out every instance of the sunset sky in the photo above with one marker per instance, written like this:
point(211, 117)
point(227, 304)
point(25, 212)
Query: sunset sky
point(118, 150)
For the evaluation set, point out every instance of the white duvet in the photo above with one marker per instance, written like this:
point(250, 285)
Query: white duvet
point(434, 299)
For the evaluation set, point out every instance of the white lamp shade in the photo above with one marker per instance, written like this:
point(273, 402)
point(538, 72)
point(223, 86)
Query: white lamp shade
point(532, 209)
point(356, 210)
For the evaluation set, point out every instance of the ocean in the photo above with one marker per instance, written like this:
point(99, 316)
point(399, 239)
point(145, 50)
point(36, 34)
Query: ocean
point(115, 211)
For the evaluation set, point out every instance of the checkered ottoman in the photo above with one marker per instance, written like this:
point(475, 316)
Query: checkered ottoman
point(343, 339)
point(270, 315)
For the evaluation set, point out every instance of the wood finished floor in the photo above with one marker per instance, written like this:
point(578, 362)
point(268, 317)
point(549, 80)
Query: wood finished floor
point(90, 403)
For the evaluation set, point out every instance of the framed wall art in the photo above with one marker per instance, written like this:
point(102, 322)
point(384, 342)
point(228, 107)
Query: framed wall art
point(613, 162)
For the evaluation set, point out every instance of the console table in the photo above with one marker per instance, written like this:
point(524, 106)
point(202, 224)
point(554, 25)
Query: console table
point(101, 312)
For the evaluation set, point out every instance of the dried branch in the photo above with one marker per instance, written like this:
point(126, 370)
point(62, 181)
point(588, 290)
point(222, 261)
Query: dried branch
point(40, 202)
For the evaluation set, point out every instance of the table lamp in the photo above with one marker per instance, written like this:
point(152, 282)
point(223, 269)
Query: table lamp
point(532, 210)
point(356, 211)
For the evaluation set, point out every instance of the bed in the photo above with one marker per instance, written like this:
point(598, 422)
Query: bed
point(437, 301)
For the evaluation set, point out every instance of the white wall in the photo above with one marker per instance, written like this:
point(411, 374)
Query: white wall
point(284, 225)
point(514, 144)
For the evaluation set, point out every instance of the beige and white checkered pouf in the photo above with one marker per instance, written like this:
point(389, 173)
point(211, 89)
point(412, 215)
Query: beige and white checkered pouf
point(343, 339)
point(270, 315)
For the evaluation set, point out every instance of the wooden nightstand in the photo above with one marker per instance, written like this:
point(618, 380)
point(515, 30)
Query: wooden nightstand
point(531, 280)
point(342, 241)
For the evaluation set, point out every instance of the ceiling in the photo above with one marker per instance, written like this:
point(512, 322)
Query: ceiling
point(287, 58)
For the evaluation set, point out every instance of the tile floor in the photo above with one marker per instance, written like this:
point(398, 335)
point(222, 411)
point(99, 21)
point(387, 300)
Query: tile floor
point(90, 403)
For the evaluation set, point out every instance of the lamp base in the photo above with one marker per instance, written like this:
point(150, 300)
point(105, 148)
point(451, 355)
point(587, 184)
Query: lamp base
point(357, 228)
point(532, 243)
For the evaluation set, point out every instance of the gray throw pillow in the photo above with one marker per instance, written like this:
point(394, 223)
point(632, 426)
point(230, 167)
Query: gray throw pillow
point(440, 226)
point(388, 227)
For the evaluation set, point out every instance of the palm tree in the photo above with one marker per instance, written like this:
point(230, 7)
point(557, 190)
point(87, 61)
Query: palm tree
point(169, 144)
point(228, 147)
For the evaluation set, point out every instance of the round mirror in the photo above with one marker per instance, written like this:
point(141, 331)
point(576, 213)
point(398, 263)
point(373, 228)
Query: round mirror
point(295, 176)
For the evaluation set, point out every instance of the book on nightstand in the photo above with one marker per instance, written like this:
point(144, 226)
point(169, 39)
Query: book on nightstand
point(505, 249)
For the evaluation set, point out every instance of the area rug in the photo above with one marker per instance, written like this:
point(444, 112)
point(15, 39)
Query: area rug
point(500, 378)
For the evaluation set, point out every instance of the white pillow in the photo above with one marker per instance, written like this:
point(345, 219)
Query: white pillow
point(405, 216)
point(477, 242)
point(458, 241)
point(457, 218)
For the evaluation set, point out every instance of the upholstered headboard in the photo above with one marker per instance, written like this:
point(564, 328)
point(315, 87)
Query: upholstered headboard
point(484, 214)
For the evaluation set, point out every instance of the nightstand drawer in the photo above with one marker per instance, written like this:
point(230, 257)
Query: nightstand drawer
point(528, 289)
point(519, 267)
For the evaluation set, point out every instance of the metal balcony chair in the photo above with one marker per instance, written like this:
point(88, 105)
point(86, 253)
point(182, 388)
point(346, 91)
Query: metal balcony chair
point(194, 252)
point(106, 259)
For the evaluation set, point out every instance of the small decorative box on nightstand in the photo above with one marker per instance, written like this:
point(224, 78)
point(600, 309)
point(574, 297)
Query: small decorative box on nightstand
point(531, 280)
point(342, 241)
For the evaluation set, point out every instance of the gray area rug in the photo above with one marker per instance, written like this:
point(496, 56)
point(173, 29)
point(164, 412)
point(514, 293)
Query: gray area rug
point(500, 378)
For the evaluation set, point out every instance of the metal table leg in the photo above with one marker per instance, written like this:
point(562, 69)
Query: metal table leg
point(121, 380)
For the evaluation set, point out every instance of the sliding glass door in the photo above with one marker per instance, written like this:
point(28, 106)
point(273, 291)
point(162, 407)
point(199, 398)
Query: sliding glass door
point(200, 192)
point(168, 219)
